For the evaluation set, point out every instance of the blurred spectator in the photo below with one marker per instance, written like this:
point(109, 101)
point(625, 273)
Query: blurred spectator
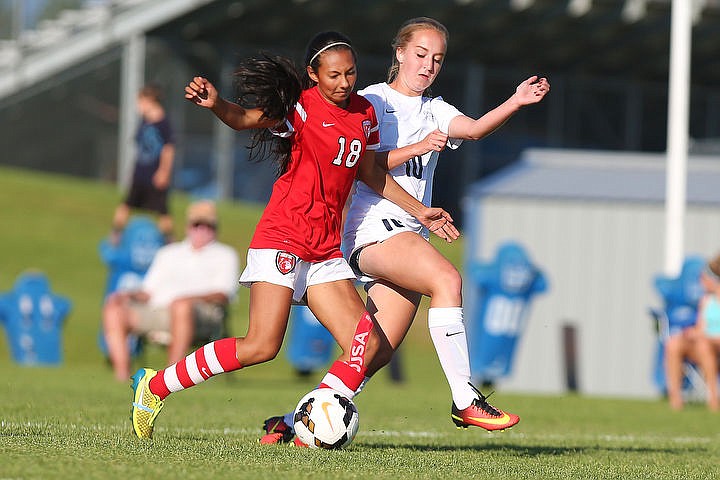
point(699, 343)
point(153, 165)
point(187, 286)
point(128, 259)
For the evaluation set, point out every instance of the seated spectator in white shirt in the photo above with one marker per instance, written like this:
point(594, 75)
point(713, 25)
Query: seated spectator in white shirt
point(188, 284)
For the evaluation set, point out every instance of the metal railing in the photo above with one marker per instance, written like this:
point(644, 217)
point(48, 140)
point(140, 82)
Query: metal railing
point(77, 35)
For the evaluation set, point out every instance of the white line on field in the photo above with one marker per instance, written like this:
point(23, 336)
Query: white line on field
point(611, 438)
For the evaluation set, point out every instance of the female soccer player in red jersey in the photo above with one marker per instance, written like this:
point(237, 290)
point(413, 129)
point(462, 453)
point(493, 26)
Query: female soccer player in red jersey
point(325, 138)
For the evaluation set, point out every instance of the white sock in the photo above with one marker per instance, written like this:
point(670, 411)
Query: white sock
point(448, 335)
point(289, 418)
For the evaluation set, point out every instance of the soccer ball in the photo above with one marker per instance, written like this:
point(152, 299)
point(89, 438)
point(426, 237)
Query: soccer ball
point(325, 418)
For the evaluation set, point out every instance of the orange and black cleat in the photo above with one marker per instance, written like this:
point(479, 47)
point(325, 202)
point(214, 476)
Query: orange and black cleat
point(276, 431)
point(481, 414)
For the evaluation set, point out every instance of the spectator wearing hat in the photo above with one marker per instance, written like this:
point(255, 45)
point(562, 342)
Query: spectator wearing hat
point(186, 290)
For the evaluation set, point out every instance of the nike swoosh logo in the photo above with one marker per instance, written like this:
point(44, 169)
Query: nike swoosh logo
point(325, 406)
point(489, 421)
point(454, 333)
point(140, 405)
point(205, 372)
point(327, 124)
point(389, 111)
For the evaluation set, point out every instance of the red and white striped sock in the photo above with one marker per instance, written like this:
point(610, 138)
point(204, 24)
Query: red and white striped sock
point(216, 357)
point(346, 377)
point(343, 378)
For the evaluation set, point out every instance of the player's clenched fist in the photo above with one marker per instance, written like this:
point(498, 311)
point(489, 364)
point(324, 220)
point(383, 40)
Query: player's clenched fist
point(201, 92)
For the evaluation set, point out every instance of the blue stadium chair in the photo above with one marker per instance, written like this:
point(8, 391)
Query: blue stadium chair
point(310, 345)
point(505, 288)
point(33, 317)
point(127, 263)
point(680, 296)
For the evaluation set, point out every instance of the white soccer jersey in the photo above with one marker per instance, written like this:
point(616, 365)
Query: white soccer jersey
point(403, 121)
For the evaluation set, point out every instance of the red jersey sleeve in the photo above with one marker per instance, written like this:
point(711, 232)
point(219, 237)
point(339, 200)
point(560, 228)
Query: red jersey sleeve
point(373, 141)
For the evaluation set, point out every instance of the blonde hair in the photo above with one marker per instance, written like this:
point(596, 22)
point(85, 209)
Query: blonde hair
point(404, 35)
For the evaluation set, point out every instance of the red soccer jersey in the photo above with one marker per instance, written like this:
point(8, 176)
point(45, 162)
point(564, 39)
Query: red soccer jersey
point(304, 214)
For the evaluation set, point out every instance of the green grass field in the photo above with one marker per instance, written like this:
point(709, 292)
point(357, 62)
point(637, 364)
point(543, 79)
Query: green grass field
point(72, 421)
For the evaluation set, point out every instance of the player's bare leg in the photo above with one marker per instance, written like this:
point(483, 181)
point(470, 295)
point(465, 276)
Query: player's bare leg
point(338, 307)
point(433, 275)
point(269, 309)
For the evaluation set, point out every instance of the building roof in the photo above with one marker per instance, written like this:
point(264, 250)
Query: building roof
point(587, 175)
point(599, 38)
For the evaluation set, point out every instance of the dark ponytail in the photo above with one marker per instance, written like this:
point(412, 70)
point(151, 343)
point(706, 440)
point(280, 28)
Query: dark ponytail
point(271, 84)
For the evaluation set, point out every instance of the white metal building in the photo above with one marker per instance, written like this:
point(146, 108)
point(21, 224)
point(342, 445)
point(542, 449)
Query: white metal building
point(594, 222)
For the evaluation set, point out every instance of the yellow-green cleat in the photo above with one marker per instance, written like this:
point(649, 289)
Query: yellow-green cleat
point(146, 405)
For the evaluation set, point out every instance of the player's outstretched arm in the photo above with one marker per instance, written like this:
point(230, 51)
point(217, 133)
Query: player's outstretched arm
point(202, 92)
point(529, 92)
point(437, 220)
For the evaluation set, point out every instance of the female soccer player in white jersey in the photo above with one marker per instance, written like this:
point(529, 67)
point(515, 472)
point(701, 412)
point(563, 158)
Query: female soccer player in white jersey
point(388, 248)
point(326, 137)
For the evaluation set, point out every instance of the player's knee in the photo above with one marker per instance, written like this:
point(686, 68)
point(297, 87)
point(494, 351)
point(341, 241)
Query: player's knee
point(111, 321)
point(113, 303)
point(114, 314)
point(448, 284)
point(673, 345)
point(181, 306)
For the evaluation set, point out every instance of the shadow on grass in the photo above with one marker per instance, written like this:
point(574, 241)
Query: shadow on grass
point(525, 450)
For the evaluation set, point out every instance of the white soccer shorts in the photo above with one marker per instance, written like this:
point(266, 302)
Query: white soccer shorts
point(283, 268)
